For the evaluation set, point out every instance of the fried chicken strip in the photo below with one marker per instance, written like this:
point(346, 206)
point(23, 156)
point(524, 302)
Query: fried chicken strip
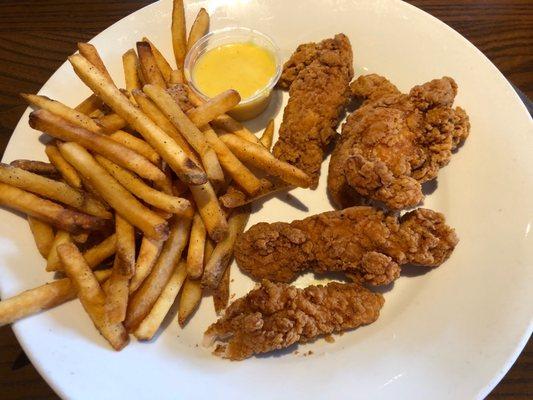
point(362, 241)
point(395, 142)
point(276, 315)
point(317, 76)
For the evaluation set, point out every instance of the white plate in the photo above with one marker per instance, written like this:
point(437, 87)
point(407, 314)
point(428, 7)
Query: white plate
point(450, 333)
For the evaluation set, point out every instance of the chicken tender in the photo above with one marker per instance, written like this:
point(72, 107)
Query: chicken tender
point(395, 142)
point(362, 241)
point(276, 315)
point(318, 77)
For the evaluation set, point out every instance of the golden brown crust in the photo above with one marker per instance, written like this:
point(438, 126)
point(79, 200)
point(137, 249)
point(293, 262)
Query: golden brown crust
point(275, 316)
point(395, 142)
point(359, 240)
point(317, 76)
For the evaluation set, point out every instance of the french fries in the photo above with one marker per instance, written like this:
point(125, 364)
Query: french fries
point(179, 39)
point(52, 262)
point(231, 164)
point(151, 323)
point(97, 142)
point(191, 295)
point(176, 77)
point(43, 234)
point(66, 170)
point(160, 60)
point(223, 252)
point(163, 201)
point(221, 293)
point(259, 157)
point(91, 54)
point(137, 145)
point(117, 287)
point(148, 254)
point(101, 251)
point(130, 64)
point(37, 167)
point(90, 105)
point(230, 125)
point(268, 135)
point(41, 298)
point(48, 211)
point(236, 198)
point(144, 298)
point(195, 253)
point(52, 189)
point(186, 168)
point(199, 28)
point(112, 122)
point(91, 295)
point(177, 117)
point(214, 107)
point(113, 193)
point(151, 110)
point(207, 203)
point(150, 70)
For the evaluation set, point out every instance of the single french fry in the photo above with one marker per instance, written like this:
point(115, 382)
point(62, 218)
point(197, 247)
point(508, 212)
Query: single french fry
point(66, 170)
point(230, 125)
point(91, 295)
point(52, 189)
point(112, 122)
point(41, 298)
point(80, 237)
point(261, 158)
point(160, 60)
point(208, 250)
point(130, 63)
point(177, 117)
point(91, 54)
point(97, 114)
point(90, 105)
point(231, 164)
point(268, 135)
point(37, 167)
point(43, 234)
point(101, 251)
point(163, 201)
point(137, 145)
point(63, 111)
point(179, 38)
point(113, 193)
point(117, 287)
point(214, 107)
point(58, 127)
point(176, 77)
point(151, 323)
point(151, 72)
point(236, 198)
point(48, 211)
point(199, 28)
point(209, 208)
point(195, 253)
point(191, 295)
point(144, 298)
point(151, 110)
point(53, 263)
point(148, 254)
point(221, 293)
point(223, 252)
point(186, 168)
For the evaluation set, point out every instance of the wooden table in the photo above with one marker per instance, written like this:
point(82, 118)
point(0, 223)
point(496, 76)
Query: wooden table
point(36, 37)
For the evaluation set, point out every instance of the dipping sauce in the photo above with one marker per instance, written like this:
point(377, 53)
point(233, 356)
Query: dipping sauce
point(245, 67)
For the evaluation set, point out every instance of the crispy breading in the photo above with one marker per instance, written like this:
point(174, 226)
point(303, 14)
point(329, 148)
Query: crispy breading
point(362, 241)
point(317, 75)
point(276, 315)
point(395, 142)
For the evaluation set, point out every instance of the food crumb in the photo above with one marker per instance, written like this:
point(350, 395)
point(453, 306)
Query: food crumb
point(310, 352)
point(329, 339)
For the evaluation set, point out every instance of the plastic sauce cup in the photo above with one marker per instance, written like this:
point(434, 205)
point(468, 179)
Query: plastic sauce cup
point(249, 107)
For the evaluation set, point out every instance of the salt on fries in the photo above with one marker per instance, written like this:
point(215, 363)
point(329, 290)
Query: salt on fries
point(151, 159)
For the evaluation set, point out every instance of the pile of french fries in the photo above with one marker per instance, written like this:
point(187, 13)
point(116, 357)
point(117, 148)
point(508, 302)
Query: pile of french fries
point(145, 194)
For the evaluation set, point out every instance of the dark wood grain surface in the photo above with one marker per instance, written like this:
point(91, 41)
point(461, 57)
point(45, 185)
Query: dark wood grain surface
point(36, 36)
